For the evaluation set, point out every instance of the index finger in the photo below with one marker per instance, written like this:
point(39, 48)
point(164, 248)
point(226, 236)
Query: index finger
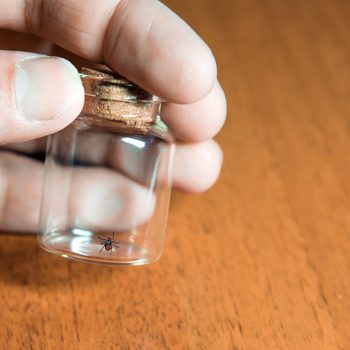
point(140, 39)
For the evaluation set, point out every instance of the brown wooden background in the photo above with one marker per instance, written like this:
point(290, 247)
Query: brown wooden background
point(262, 260)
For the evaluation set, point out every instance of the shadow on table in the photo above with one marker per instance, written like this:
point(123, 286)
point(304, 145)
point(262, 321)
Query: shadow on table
point(24, 263)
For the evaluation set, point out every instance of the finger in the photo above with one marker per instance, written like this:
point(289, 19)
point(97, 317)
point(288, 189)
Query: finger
point(142, 40)
point(139, 159)
point(39, 95)
point(19, 194)
point(197, 166)
point(102, 199)
point(98, 199)
point(32, 147)
point(143, 160)
point(199, 121)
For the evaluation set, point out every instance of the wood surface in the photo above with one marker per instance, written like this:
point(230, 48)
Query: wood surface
point(261, 261)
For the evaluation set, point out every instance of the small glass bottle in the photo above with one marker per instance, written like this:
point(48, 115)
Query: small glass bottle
point(108, 177)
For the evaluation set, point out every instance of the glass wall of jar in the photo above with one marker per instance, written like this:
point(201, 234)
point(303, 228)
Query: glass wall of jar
point(108, 177)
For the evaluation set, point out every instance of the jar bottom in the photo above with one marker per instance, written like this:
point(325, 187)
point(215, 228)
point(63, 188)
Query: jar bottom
point(87, 247)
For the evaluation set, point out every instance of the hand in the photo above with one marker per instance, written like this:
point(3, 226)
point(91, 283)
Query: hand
point(39, 95)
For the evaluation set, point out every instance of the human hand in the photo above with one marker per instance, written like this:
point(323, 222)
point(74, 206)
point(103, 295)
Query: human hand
point(142, 40)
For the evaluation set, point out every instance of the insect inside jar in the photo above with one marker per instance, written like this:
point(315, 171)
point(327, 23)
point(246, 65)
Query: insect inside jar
point(108, 244)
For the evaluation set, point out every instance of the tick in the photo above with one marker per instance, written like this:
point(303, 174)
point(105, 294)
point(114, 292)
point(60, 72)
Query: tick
point(108, 244)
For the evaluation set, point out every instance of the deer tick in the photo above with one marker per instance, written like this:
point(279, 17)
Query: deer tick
point(108, 244)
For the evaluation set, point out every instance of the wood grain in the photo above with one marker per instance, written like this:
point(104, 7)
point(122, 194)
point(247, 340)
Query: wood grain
point(261, 261)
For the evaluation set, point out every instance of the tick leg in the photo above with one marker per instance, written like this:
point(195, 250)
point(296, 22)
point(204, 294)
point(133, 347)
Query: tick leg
point(114, 245)
point(101, 249)
point(113, 236)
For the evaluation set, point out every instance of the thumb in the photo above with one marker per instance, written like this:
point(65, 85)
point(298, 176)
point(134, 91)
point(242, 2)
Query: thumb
point(39, 95)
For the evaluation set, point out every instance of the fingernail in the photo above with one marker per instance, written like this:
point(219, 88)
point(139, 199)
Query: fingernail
point(46, 87)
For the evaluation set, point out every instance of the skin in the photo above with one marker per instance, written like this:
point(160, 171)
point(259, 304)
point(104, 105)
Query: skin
point(140, 39)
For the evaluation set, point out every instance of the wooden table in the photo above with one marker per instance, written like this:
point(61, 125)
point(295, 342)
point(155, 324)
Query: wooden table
point(261, 261)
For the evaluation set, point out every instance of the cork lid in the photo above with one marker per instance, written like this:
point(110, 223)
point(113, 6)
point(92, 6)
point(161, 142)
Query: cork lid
point(113, 97)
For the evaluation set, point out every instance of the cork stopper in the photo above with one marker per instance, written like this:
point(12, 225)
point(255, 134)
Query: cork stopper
point(116, 98)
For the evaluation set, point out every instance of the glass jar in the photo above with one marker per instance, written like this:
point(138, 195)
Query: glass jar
point(108, 177)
